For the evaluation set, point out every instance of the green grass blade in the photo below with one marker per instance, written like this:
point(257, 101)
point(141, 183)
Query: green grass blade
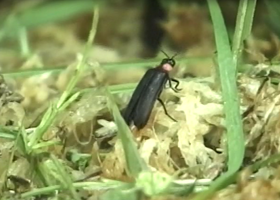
point(107, 66)
point(100, 185)
point(53, 11)
point(220, 183)
point(243, 26)
point(126, 192)
point(32, 72)
point(235, 137)
point(135, 164)
point(50, 12)
point(114, 89)
point(275, 158)
point(7, 136)
point(122, 88)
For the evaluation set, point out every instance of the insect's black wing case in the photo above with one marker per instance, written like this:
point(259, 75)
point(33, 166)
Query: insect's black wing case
point(148, 98)
point(138, 93)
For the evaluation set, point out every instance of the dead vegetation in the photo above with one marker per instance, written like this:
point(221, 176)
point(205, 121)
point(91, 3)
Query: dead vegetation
point(196, 144)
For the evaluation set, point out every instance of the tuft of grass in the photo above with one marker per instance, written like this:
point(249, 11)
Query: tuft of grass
point(30, 145)
point(234, 126)
point(226, 66)
point(65, 98)
point(117, 188)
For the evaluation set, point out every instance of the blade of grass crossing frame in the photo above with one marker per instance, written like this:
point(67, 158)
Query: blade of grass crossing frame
point(135, 164)
point(53, 12)
point(243, 27)
point(61, 173)
point(235, 137)
point(48, 12)
point(273, 13)
point(107, 66)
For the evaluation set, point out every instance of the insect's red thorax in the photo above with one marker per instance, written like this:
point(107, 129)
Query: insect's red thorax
point(167, 67)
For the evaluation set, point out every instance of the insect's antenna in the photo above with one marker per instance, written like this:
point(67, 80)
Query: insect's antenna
point(174, 55)
point(164, 53)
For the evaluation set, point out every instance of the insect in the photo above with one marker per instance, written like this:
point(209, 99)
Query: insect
point(148, 91)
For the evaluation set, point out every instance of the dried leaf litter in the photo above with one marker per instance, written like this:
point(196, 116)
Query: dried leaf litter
point(168, 146)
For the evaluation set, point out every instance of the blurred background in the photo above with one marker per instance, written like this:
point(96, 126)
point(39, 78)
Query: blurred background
point(128, 29)
point(46, 35)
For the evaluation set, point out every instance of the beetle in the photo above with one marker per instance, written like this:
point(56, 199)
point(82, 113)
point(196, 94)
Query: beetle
point(148, 91)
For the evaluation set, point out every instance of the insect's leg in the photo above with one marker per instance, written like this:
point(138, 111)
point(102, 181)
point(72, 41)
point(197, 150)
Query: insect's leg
point(177, 84)
point(175, 89)
point(165, 111)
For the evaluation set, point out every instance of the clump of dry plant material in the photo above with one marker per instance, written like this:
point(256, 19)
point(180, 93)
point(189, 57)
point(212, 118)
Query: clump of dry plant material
point(196, 142)
point(10, 108)
point(259, 189)
point(199, 110)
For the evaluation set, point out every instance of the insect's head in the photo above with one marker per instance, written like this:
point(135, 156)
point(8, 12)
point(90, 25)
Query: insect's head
point(169, 61)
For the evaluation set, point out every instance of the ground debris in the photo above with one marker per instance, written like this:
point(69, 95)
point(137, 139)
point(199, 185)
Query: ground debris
point(257, 189)
point(168, 146)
